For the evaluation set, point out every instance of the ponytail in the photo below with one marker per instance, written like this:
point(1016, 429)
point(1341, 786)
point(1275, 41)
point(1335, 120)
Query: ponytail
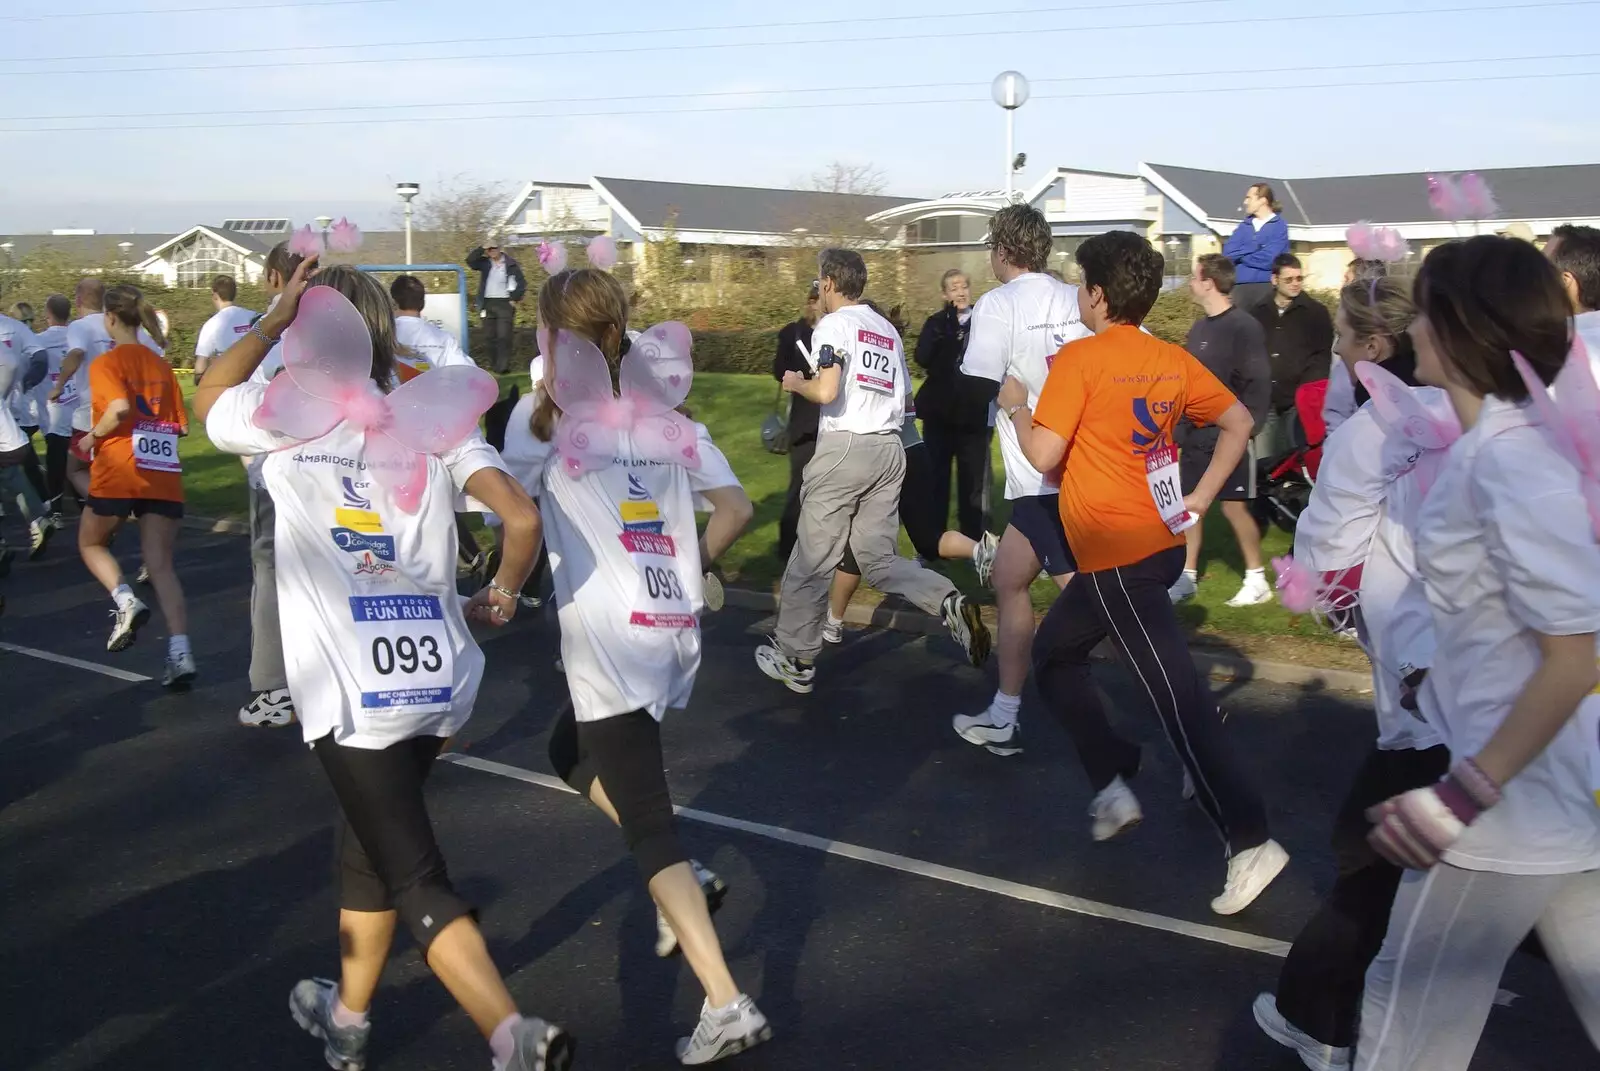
point(128, 305)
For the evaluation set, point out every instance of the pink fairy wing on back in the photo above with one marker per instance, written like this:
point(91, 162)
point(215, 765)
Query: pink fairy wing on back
point(329, 337)
point(585, 444)
point(396, 468)
point(288, 409)
point(669, 437)
point(579, 378)
point(437, 410)
point(1399, 409)
point(658, 370)
point(1573, 416)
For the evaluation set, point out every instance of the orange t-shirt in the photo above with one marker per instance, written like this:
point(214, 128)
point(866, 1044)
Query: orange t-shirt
point(140, 458)
point(1114, 398)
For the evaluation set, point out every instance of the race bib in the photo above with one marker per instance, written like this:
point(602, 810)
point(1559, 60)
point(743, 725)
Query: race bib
point(661, 600)
point(155, 446)
point(877, 365)
point(405, 664)
point(1161, 473)
point(69, 392)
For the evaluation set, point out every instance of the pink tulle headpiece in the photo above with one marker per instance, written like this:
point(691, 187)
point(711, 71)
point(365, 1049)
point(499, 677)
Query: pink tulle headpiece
point(1304, 591)
point(552, 257)
point(654, 377)
point(1376, 243)
point(1468, 197)
point(327, 381)
point(343, 237)
point(1572, 417)
point(601, 253)
point(306, 242)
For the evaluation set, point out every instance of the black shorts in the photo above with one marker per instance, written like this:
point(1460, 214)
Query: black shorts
point(135, 507)
point(1039, 518)
point(1241, 485)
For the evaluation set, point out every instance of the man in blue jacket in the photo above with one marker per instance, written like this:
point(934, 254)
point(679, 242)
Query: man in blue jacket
point(1261, 237)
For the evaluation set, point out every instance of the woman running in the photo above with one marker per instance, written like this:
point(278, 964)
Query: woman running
point(18, 349)
point(136, 419)
point(1509, 840)
point(380, 662)
point(618, 479)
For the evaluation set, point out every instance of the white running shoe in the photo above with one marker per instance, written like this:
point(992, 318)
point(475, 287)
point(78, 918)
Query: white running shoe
point(986, 731)
point(983, 556)
point(965, 622)
point(832, 633)
point(311, 1004)
point(273, 708)
point(126, 622)
point(180, 672)
point(1313, 1053)
point(143, 576)
point(793, 674)
point(1115, 810)
point(1184, 589)
point(716, 891)
point(722, 1034)
point(539, 1046)
point(1255, 591)
point(1249, 874)
point(39, 533)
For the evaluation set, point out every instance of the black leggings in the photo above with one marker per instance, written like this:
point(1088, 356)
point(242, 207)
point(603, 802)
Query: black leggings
point(624, 754)
point(385, 857)
point(919, 512)
point(55, 469)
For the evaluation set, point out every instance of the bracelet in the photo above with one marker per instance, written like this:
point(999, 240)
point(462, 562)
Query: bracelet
point(255, 329)
point(507, 592)
point(1011, 411)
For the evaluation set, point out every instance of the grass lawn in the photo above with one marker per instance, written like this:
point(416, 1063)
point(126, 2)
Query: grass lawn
point(732, 406)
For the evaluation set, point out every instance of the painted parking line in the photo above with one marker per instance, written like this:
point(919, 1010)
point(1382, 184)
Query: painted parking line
point(76, 663)
point(1031, 894)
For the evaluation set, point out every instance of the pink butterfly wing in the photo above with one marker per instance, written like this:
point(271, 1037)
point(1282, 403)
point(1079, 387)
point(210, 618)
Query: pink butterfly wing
point(658, 371)
point(397, 468)
point(1399, 410)
point(584, 444)
point(668, 437)
point(1577, 398)
point(288, 409)
point(437, 410)
point(580, 379)
point(328, 336)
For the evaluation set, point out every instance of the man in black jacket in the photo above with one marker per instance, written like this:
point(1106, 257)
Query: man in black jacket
point(1299, 344)
point(803, 417)
point(500, 285)
point(954, 409)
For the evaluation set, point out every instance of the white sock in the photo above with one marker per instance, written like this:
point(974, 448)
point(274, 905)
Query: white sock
point(1256, 574)
point(1005, 708)
point(726, 1009)
point(1192, 574)
point(177, 646)
point(834, 621)
point(123, 596)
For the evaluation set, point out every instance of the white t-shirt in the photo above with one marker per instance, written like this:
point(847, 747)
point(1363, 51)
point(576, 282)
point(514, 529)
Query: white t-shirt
point(226, 326)
point(88, 333)
point(494, 284)
point(18, 342)
point(12, 364)
point(1017, 330)
point(625, 556)
point(1363, 511)
point(375, 644)
point(1505, 548)
point(57, 416)
point(434, 347)
point(873, 374)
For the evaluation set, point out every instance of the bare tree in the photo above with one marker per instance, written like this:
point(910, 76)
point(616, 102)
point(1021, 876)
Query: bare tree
point(841, 177)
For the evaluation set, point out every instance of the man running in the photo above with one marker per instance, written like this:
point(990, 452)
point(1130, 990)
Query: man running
point(426, 345)
point(851, 494)
point(1106, 416)
point(57, 415)
point(225, 327)
point(19, 348)
point(1016, 331)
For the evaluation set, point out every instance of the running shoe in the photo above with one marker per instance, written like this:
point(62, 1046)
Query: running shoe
point(126, 622)
point(983, 556)
point(720, 1034)
point(1115, 810)
point(965, 622)
point(143, 576)
point(1255, 591)
point(716, 891)
point(180, 672)
point(311, 1004)
point(39, 533)
point(1185, 589)
point(832, 632)
point(986, 731)
point(1313, 1053)
point(57, 521)
point(792, 673)
point(1249, 874)
point(272, 708)
point(715, 597)
point(540, 1046)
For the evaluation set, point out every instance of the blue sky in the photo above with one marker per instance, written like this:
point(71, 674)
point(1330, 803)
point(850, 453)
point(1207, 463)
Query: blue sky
point(1196, 77)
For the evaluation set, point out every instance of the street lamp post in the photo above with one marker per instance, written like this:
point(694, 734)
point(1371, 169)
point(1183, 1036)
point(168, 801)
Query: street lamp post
point(125, 248)
point(323, 223)
point(1010, 91)
point(406, 191)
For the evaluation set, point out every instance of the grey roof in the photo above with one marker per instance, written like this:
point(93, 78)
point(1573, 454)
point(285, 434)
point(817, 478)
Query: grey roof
point(1568, 191)
point(742, 209)
point(83, 248)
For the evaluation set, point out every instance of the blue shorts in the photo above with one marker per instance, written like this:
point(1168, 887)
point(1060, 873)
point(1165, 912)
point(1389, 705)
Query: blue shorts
point(1038, 517)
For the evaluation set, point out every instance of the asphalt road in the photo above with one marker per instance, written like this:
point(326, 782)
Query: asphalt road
point(902, 900)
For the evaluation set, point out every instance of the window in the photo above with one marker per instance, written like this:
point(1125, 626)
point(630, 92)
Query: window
point(197, 260)
point(948, 230)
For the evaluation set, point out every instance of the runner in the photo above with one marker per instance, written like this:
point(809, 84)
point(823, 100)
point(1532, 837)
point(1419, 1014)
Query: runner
point(19, 349)
point(137, 419)
point(619, 512)
point(225, 327)
point(850, 498)
point(381, 657)
point(57, 425)
point(1358, 531)
point(1108, 410)
point(428, 346)
point(1016, 331)
point(28, 399)
point(1509, 840)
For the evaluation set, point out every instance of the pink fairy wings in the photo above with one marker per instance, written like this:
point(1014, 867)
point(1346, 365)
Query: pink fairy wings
point(327, 381)
point(1399, 409)
point(1376, 243)
point(654, 378)
point(1572, 417)
point(1305, 591)
point(1466, 198)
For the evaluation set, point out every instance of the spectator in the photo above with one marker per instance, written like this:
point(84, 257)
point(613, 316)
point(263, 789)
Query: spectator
point(794, 342)
point(1259, 240)
point(1340, 402)
point(1233, 347)
point(1575, 251)
point(955, 410)
point(1299, 343)
point(500, 286)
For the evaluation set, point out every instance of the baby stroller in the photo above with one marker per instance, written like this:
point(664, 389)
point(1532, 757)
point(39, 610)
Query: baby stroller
point(1284, 483)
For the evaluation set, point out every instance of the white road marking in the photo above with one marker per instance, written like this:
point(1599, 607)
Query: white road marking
point(76, 663)
point(1077, 905)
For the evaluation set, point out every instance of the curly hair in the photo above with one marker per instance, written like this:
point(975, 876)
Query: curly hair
point(1021, 235)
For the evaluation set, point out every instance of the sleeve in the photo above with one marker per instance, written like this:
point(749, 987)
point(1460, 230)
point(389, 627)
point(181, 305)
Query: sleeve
point(1340, 403)
point(206, 345)
point(452, 353)
point(830, 334)
point(525, 457)
point(1336, 529)
point(928, 341)
point(1255, 369)
point(1538, 533)
point(148, 340)
point(1241, 242)
point(988, 340)
point(476, 258)
point(1061, 402)
point(231, 424)
point(1205, 398)
point(76, 338)
point(8, 373)
point(714, 470)
point(470, 457)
